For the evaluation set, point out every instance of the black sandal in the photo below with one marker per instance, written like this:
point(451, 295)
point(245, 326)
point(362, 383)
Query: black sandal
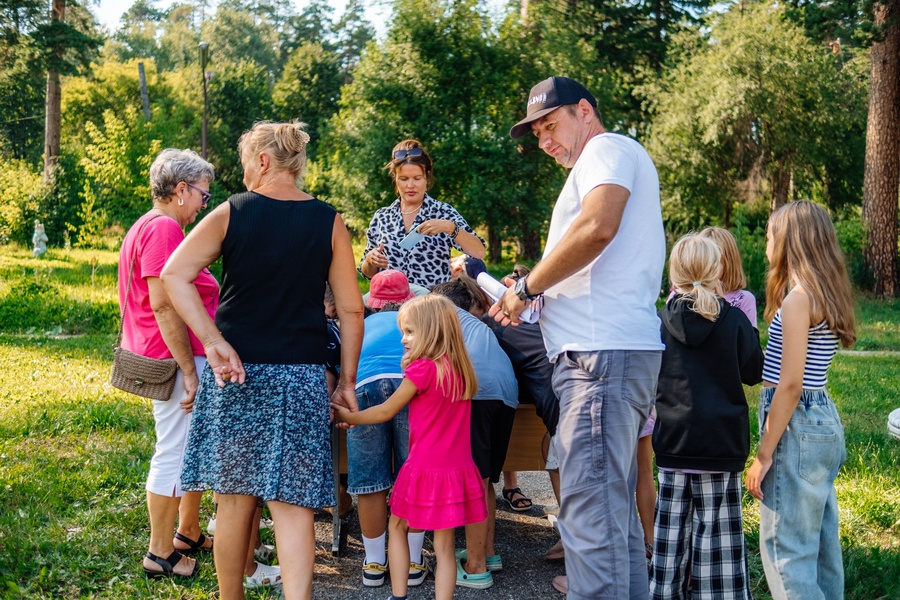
point(168, 566)
point(194, 546)
point(520, 505)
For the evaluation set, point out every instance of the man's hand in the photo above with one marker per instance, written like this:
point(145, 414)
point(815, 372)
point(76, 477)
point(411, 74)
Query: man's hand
point(507, 309)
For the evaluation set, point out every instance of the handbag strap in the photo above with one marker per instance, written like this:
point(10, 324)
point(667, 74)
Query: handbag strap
point(137, 240)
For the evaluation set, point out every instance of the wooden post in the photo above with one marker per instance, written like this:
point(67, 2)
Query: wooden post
point(145, 97)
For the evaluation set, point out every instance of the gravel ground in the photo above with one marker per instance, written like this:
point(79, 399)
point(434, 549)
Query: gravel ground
point(521, 539)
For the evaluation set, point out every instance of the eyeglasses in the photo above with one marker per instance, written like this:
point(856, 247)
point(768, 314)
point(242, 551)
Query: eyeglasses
point(204, 195)
point(401, 154)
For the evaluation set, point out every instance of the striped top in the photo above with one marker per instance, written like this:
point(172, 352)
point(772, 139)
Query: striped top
point(821, 347)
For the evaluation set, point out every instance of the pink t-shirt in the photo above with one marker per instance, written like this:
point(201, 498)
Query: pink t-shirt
point(140, 332)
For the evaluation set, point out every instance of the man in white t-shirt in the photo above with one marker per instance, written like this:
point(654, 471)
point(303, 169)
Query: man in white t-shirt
point(600, 277)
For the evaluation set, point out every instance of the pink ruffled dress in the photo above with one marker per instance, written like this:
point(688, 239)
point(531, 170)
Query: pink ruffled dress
point(439, 486)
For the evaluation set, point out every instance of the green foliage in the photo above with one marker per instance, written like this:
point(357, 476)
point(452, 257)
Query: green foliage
point(750, 234)
point(22, 190)
point(308, 89)
point(237, 36)
point(238, 97)
point(754, 110)
point(22, 88)
point(116, 163)
point(852, 236)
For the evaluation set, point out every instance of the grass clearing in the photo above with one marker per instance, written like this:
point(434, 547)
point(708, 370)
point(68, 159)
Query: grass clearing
point(74, 451)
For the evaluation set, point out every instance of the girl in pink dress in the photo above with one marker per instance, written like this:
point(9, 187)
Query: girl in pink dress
point(439, 486)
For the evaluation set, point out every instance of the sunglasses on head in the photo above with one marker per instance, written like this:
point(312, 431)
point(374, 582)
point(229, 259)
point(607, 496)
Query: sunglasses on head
point(401, 154)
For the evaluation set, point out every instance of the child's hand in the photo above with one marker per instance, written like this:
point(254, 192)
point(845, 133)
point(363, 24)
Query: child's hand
point(755, 475)
point(344, 398)
point(340, 414)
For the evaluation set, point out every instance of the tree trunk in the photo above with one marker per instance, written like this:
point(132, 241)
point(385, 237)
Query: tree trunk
point(53, 103)
point(882, 173)
point(781, 189)
point(494, 245)
point(530, 245)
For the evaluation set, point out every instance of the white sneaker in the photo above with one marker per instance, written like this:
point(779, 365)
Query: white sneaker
point(211, 526)
point(264, 553)
point(894, 423)
point(264, 576)
point(374, 574)
point(417, 573)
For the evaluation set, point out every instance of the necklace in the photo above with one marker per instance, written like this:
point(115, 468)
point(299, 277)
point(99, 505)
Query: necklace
point(164, 213)
point(411, 212)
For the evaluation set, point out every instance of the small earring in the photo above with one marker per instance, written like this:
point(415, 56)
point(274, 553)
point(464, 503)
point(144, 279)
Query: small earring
point(181, 201)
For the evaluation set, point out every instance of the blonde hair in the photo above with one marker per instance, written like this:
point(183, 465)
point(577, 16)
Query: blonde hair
point(438, 336)
point(285, 143)
point(694, 266)
point(732, 274)
point(805, 252)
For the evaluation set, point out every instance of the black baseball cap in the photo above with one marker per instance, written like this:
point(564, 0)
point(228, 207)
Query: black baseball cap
point(546, 97)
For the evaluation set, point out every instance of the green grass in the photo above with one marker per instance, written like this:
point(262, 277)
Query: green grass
point(74, 452)
point(878, 324)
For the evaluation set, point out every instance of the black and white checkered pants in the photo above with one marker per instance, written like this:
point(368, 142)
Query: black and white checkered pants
point(698, 538)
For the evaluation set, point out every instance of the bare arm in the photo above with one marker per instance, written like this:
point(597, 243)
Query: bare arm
point(471, 244)
point(349, 304)
point(590, 234)
point(175, 335)
point(198, 250)
point(795, 317)
point(381, 412)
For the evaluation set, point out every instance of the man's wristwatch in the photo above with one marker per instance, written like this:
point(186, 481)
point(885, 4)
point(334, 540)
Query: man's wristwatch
point(455, 231)
point(522, 292)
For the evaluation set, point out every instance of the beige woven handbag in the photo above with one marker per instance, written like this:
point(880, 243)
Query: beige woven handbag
point(147, 377)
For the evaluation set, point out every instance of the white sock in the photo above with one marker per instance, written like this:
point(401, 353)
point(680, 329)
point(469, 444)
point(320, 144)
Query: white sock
point(374, 548)
point(415, 541)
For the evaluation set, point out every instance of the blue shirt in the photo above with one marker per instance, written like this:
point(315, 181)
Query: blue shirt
point(381, 350)
point(496, 378)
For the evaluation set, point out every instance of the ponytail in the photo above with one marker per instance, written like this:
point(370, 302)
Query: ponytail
point(694, 266)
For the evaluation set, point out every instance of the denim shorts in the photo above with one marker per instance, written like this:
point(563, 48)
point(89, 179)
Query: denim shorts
point(375, 453)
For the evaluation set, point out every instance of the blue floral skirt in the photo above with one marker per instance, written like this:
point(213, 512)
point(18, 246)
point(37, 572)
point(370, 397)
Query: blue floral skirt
point(269, 437)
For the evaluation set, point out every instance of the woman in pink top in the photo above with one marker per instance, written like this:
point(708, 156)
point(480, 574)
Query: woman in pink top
point(179, 183)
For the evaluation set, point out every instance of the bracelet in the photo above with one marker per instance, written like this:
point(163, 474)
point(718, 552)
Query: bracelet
point(455, 231)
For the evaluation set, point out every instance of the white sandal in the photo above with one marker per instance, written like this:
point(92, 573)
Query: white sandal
point(264, 576)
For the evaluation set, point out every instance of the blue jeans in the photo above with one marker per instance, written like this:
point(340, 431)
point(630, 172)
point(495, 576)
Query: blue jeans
point(798, 519)
point(375, 453)
point(604, 399)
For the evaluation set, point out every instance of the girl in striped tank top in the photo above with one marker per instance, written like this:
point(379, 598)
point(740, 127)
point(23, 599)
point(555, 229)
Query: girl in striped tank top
point(809, 305)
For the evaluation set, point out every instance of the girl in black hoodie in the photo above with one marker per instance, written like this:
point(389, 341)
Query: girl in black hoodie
point(702, 433)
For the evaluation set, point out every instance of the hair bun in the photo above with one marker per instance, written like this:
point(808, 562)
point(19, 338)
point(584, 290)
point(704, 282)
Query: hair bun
point(301, 135)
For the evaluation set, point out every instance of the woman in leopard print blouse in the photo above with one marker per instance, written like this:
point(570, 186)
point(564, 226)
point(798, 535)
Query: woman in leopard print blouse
point(428, 262)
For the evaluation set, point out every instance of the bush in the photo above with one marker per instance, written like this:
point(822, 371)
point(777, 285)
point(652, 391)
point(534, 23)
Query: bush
point(22, 192)
point(851, 233)
point(750, 233)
